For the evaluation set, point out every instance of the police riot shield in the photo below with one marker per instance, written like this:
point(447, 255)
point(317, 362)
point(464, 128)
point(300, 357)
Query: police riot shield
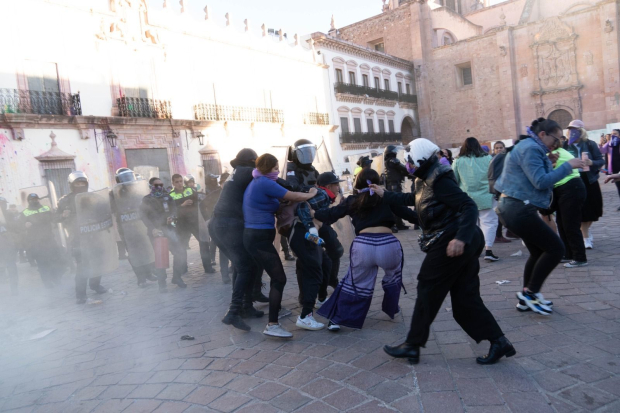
point(4, 235)
point(97, 245)
point(203, 229)
point(322, 161)
point(62, 236)
point(146, 171)
point(128, 198)
point(40, 190)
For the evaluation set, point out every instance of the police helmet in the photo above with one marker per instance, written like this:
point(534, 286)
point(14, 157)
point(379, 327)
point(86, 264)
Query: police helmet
point(302, 152)
point(125, 175)
point(188, 178)
point(390, 152)
point(77, 176)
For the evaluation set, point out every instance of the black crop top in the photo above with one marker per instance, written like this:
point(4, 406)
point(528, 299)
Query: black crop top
point(381, 216)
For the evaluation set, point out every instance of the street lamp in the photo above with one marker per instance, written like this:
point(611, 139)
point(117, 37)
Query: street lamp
point(111, 137)
point(200, 137)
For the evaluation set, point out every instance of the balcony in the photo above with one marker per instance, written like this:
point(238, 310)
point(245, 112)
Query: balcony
point(316, 118)
point(144, 108)
point(406, 98)
point(204, 111)
point(366, 137)
point(39, 103)
point(358, 90)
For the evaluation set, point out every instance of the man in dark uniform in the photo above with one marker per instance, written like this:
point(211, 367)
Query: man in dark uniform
point(143, 272)
point(157, 211)
point(8, 248)
point(206, 206)
point(395, 174)
point(204, 242)
point(66, 215)
point(186, 203)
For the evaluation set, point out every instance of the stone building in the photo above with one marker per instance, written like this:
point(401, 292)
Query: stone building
point(487, 68)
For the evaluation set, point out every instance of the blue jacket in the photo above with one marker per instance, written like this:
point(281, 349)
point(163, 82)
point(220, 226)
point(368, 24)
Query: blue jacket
point(528, 174)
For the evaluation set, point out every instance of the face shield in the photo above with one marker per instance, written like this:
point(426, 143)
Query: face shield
point(305, 153)
point(126, 176)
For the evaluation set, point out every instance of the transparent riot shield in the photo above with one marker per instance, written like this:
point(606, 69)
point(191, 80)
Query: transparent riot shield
point(146, 171)
point(62, 236)
point(203, 225)
point(40, 190)
point(322, 161)
point(97, 245)
point(128, 198)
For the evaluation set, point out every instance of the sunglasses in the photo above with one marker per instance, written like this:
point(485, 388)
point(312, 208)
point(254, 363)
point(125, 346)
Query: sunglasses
point(158, 185)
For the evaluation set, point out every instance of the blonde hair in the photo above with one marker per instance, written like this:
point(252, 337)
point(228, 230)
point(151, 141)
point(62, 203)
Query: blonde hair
point(584, 135)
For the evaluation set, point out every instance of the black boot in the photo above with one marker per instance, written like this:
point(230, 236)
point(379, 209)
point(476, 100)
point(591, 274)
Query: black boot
point(404, 351)
point(225, 279)
point(257, 292)
point(151, 277)
point(232, 318)
point(499, 348)
point(176, 279)
point(251, 312)
point(288, 256)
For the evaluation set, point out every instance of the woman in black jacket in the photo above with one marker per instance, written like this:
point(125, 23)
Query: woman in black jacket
point(453, 242)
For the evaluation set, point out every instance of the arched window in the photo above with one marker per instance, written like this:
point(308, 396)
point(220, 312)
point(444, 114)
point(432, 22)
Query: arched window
point(562, 117)
point(447, 39)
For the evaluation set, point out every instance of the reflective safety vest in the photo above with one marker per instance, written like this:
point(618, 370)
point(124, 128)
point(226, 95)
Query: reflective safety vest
point(187, 192)
point(28, 212)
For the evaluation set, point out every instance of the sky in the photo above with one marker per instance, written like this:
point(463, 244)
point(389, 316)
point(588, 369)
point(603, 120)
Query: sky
point(293, 16)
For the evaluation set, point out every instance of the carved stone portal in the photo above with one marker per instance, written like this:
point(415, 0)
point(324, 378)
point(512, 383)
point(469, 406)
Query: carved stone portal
point(555, 58)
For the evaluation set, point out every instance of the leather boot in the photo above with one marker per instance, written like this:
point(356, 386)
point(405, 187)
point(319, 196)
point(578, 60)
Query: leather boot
point(232, 318)
point(405, 350)
point(499, 348)
point(178, 281)
point(251, 312)
point(257, 291)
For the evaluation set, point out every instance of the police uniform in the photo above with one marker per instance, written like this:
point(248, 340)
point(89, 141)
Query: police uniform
point(8, 248)
point(395, 174)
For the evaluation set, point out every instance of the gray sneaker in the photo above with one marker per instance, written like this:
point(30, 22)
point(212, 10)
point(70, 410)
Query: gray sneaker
point(575, 264)
point(283, 313)
point(276, 330)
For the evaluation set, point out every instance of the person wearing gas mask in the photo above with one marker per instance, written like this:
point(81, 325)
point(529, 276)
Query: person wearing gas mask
point(395, 174)
point(8, 246)
point(125, 200)
point(66, 215)
point(158, 212)
point(204, 242)
point(226, 228)
point(452, 242)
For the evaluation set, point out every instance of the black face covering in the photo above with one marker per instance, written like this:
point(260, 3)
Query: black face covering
point(80, 189)
point(425, 165)
point(34, 204)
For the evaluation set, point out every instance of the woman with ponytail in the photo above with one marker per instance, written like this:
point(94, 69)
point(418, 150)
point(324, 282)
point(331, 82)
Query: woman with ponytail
point(374, 247)
point(526, 185)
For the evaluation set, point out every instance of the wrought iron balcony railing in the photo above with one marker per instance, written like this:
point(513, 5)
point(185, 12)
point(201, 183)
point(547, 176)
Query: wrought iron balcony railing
point(204, 111)
point(316, 118)
point(39, 103)
point(404, 97)
point(365, 137)
point(144, 108)
point(360, 90)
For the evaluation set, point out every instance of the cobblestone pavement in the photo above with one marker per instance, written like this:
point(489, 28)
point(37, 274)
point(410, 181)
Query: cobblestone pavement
point(125, 354)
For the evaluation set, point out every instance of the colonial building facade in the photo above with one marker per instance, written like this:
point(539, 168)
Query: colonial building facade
point(487, 68)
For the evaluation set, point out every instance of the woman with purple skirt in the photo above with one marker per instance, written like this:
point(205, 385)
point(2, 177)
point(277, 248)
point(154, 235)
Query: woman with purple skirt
point(374, 247)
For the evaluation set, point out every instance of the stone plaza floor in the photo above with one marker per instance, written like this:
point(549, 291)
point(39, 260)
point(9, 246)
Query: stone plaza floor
point(125, 354)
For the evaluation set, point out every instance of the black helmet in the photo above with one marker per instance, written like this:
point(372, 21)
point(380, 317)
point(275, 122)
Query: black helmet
point(390, 152)
point(302, 152)
point(125, 175)
point(188, 178)
point(77, 176)
point(32, 196)
point(363, 161)
point(245, 157)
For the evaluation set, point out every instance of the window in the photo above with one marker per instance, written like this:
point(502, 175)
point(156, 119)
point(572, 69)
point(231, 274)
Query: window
point(344, 124)
point(42, 77)
point(400, 88)
point(371, 126)
point(381, 126)
point(391, 125)
point(447, 39)
point(352, 78)
point(357, 125)
point(365, 80)
point(377, 82)
point(155, 157)
point(464, 75)
point(339, 76)
point(377, 45)
point(380, 47)
point(386, 82)
point(407, 89)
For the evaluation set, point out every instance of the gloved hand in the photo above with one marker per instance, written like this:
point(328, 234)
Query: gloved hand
point(314, 231)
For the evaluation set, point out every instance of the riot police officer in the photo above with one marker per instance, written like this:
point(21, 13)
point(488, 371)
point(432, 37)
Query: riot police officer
point(8, 248)
point(299, 170)
point(38, 222)
point(204, 242)
point(206, 207)
point(78, 183)
point(125, 200)
point(395, 174)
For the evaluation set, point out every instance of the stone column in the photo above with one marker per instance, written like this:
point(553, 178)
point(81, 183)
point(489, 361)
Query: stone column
point(610, 41)
point(509, 96)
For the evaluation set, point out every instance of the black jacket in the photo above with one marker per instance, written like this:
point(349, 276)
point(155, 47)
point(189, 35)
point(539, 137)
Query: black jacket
point(155, 211)
point(395, 172)
point(299, 177)
point(230, 203)
point(439, 202)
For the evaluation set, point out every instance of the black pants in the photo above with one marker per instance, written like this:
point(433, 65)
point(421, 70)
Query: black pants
point(618, 187)
point(228, 236)
point(184, 234)
point(440, 275)
point(568, 200)
point(545, 247)
point(334, 250)
point(326, 267)
point(48, 257)
point(284, 245)
point(499, 232)
point(259, 243)
point(309, 267)
point(396, 187)
point(8, 262)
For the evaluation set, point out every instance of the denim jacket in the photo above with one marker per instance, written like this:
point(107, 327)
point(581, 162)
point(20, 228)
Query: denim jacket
point(528, 174)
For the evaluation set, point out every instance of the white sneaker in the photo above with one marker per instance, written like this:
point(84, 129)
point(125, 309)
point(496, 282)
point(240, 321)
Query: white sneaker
point(277, 330)
point(309, 323)
point(319, 303)
point(283, 313)
point(588, 243)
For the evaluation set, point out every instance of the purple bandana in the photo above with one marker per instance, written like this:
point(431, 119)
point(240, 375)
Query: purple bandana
point(367, 189)
point(271, 175)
